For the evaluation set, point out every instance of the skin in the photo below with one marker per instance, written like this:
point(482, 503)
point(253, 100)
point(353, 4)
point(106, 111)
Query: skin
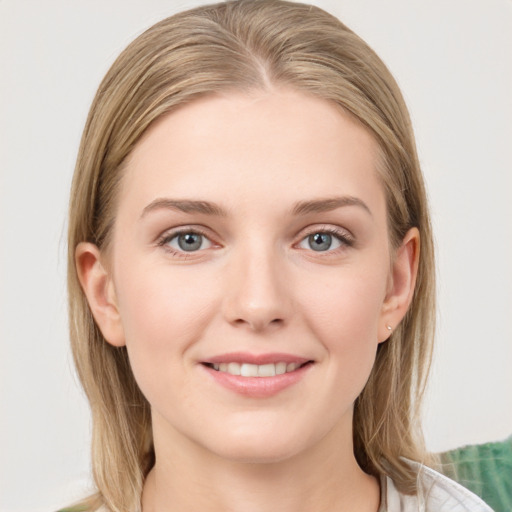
point(256, 285)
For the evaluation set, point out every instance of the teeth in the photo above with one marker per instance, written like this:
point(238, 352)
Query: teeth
point(234, 368)
point(255, 370)
point(290, 367)
point(280, 368)
point(249, 370)
point(267, 370)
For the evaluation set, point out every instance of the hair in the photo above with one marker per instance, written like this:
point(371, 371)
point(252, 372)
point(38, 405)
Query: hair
point(244, 46)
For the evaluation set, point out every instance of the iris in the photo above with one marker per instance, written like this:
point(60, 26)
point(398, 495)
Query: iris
point(320, 241)
point(190, 241)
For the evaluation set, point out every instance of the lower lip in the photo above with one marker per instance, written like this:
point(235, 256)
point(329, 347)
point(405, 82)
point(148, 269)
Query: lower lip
point(258, 387)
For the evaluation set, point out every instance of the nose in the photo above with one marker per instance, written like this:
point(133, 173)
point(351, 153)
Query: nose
point(257, 294)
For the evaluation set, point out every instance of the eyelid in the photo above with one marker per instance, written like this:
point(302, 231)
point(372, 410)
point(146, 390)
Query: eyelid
point(169, 234)
point(345, 237)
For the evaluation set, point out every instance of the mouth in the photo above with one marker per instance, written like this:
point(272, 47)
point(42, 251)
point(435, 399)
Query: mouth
point(256, 370)
point(257, 375)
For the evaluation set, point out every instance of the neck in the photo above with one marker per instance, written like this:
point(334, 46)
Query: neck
point(189, 478)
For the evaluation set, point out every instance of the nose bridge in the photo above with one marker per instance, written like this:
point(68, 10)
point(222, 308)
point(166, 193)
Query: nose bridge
point(257, 293)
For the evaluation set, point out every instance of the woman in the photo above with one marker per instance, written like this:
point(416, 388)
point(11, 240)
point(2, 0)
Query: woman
point(251, 272)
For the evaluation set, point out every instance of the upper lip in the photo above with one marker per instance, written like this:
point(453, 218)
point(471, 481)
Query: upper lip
point(258, 359)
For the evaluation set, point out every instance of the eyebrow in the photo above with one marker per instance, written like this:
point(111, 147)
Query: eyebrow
point(184, 205)
point(208, 208)
point(328, 204)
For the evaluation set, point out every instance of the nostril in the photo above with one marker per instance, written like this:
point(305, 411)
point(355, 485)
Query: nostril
point(259, 324)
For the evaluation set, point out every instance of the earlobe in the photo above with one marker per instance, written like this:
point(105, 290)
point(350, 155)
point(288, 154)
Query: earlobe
point(99, 289)
point(402, 283)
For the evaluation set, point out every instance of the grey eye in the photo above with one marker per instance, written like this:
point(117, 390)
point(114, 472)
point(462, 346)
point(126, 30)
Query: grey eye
point(320, 241)
point(188, 242)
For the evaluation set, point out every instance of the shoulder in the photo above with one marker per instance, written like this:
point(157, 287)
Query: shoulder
point(436, 493)
point(485, 469)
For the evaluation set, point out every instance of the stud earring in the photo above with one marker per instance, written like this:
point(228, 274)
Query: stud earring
point(389, 328)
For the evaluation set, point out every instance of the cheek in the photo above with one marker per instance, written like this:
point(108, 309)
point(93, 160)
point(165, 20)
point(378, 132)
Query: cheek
point(163, 313)
point(345, 302)
point(160, 298)
point(344, 315)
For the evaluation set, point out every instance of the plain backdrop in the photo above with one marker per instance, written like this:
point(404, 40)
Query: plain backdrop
point(453, 61)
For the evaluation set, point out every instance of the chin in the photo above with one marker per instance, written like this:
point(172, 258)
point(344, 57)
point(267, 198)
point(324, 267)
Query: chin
point(258, 446)
point(260, 454)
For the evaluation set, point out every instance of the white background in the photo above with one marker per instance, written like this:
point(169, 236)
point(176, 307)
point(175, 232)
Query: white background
point(453, 60)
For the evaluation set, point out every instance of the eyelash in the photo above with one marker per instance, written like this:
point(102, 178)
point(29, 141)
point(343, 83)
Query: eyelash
point(167, 237)
point(345, 239)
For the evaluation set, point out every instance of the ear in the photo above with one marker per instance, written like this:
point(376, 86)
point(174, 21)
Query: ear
point(99, 289)
point(404, 270)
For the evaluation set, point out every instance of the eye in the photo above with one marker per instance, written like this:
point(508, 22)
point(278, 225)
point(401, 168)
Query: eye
point(325, 240)
point(187, 241)
point(320, 242)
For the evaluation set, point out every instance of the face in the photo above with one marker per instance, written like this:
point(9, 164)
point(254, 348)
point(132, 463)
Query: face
point(250, 272)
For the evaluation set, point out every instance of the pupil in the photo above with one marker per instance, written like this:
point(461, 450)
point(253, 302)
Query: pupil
point(190, 241)
point(320, 241)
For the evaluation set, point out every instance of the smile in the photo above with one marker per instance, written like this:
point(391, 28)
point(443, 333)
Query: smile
point(255, 370)
point(257, 376)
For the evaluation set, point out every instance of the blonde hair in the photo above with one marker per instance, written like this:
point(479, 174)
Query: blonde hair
point(246, 45)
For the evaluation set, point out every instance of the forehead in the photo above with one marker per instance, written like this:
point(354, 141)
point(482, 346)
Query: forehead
point(277, 146)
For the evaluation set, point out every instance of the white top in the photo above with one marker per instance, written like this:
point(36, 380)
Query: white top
point(436, 493)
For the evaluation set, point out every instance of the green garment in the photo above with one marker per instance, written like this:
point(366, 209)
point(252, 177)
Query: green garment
point(484, 469)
